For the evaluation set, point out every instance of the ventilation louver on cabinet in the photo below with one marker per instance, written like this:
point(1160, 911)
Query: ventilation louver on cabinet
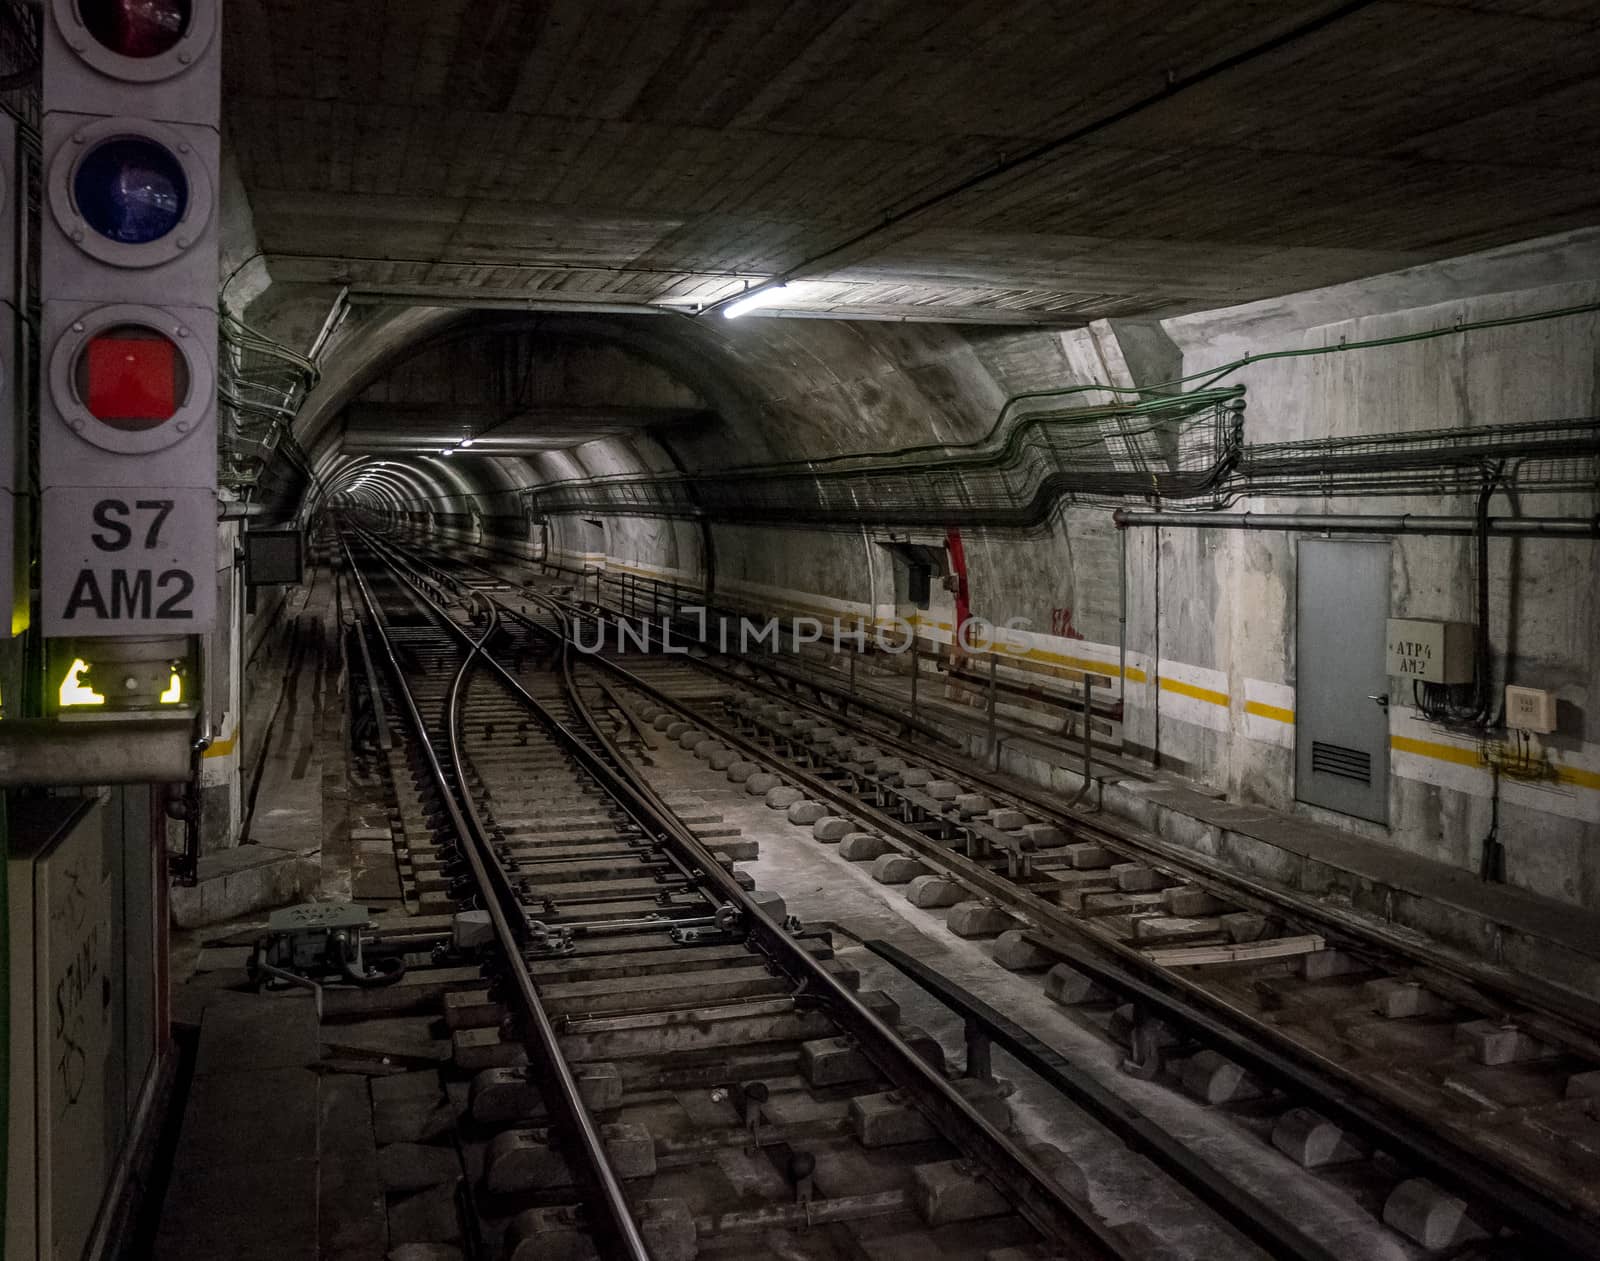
point(1334, 759)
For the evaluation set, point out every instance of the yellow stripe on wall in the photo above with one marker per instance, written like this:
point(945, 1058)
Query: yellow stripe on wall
point(1439, 752)
point(1578, 777)
point(1189, 689)
point(1263, 710)
point(1088, 665)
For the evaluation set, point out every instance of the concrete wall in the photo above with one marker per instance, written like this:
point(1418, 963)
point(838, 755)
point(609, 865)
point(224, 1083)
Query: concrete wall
point(1226, 599)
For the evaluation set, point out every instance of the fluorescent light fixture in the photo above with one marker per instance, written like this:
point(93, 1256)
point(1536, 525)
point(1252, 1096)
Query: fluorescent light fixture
point(754, 300)
point(448, 451)
point(465, 442)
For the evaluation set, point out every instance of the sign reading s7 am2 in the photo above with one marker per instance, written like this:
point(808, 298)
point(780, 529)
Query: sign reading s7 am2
point(125, 562)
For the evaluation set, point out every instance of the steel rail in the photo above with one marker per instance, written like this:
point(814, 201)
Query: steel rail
point(1550, 1009)
point(1553, 1007)
point(642, 814)
point(1013, 1170)
point(1538, 1213)
point(1557, 1227)
point(977, 876)
point(1247, 1213)
point(1545, 1214)
point(379, 717)
point(866, 704)
point(564, 1098)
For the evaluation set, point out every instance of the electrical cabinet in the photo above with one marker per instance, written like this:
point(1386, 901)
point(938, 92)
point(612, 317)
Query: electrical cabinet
point(87, 1009)
point(1429, 651)
point(1530, 709)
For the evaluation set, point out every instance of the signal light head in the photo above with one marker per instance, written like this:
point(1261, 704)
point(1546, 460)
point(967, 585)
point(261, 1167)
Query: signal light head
point(131, 190)
point(137, 41)
point(136, 28)
point(131, 377)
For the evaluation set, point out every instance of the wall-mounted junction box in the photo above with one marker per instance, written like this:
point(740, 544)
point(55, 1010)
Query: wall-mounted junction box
point(1430, 651)
point(1530, 709)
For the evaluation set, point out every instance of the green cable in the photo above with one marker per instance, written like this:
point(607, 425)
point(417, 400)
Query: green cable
point(1210, 375)
point(1216, 374)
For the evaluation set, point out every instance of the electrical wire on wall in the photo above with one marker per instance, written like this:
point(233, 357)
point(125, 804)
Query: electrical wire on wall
point(1470, 705)
point(1174, 442)
point(262, 385)
point(19, 45)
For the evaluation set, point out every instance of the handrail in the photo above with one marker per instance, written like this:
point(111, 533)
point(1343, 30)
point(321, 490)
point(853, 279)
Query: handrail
point(800, 679)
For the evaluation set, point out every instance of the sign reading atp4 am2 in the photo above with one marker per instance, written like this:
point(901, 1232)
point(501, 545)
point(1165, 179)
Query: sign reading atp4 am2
point(129, 561)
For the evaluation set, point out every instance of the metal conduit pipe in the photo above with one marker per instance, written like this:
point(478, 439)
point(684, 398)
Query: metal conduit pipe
point(1122, 620)
point(237, 510)
point(1361, 523)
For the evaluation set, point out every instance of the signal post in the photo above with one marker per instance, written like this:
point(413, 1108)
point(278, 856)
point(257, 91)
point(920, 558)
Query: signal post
point(128, 350)
point(127, 457)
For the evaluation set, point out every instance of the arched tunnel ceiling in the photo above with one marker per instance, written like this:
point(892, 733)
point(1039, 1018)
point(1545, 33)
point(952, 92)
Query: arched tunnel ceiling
point(511, 387)
point(663, 152)
point(717, 392)
point(436, 168)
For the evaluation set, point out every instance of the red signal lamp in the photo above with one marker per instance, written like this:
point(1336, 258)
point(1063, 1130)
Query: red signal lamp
point(130, 381)
point(136, 28)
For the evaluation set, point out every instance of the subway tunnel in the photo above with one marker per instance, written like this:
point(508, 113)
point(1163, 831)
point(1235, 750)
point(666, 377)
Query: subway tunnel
point(834, 629)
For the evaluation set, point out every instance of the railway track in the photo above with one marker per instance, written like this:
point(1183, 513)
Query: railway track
point(654, 1063)
point(1417, 1075)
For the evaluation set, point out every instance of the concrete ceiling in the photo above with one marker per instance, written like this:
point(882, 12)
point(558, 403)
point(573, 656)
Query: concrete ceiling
point(507, 385)
point(662, 153)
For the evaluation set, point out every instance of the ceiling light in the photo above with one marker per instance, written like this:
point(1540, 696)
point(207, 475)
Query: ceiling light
point(753, 300)
point(465, 442)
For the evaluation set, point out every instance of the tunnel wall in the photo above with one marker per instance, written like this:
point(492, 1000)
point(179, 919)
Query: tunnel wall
point(782, 390)
point(812, 389)
point(1212, 612)
point(1217, 608)
point(1210, 647)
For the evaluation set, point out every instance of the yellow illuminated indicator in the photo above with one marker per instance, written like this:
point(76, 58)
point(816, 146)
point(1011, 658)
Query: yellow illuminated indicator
point(74, 691)
point(174, 692)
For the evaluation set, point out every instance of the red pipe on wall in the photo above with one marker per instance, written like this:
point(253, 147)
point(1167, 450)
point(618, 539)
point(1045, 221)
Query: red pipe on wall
point(958, 570)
